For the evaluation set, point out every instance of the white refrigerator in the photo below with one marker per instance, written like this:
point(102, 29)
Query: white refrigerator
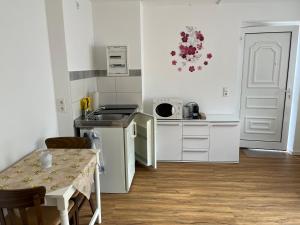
point(122, 147)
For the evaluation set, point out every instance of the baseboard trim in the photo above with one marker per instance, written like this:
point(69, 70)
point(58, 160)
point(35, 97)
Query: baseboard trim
point(294, 152)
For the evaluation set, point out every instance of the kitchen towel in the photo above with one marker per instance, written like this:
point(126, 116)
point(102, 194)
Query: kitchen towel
point(95, 100)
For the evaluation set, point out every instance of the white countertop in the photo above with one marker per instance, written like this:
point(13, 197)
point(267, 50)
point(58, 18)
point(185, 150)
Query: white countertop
point(211, 118)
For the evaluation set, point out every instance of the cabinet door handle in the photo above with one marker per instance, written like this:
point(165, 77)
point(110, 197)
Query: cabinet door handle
point(198, 125)
point(134, 130)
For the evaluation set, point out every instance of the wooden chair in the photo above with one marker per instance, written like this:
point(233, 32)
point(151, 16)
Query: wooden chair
point(74, 143)
point(24, 207)
point(68, 142)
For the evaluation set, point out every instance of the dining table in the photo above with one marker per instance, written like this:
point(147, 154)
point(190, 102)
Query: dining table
point(71, 170)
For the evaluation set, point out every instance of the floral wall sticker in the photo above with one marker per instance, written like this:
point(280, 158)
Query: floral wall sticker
point(190, 54)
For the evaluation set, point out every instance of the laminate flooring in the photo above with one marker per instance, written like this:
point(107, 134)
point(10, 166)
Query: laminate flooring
point(262, 191)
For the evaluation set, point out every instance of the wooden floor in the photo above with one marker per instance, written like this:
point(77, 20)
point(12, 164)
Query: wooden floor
point(260, 191)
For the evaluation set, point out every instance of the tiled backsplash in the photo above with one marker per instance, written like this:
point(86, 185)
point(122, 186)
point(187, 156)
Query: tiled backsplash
point(120, 90)
point(79, 89)
point(78, 75)
point(112, 90)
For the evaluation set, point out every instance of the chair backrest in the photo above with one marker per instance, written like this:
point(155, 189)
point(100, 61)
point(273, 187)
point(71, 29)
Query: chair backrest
point(68, 142)
point(19, 200)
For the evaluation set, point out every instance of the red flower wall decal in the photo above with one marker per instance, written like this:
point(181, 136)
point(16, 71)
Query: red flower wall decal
point(192, 69)
point(190, 50)
point(209, 55)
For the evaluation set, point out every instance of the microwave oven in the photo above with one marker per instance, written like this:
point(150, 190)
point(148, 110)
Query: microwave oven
point(167, 108)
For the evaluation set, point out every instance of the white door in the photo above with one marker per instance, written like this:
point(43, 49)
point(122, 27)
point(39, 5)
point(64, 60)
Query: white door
point(145, 145)
point(265, 70)
point(169, 140)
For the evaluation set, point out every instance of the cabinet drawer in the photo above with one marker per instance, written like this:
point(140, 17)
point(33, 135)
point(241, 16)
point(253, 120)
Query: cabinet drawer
point(195, 129)
point(195, 142)
point(195, 156)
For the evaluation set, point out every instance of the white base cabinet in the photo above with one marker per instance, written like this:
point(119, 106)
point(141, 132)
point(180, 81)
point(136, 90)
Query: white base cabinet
point(201, 141)
point(225, 140)
point(169, 140)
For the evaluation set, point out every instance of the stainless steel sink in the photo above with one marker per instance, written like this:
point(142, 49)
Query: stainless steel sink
point(110, 117)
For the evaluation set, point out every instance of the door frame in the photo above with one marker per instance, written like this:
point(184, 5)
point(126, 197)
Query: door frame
point(287, 133)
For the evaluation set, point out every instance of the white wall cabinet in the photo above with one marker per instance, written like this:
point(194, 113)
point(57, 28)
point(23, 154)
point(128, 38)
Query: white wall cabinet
point(201, 141)
point(169, 140)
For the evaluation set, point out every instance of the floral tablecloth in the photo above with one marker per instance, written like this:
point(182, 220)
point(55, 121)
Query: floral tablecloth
point(69, 167)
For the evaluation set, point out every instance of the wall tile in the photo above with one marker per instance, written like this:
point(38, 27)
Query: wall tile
point(77, 90)
point(107, 84)
point(108, 98)
point(90, 85)
point(76, 109)
point(129, 98)
point(128, 84)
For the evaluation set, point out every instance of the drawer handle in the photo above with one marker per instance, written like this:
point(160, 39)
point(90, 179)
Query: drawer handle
point(225, 125)
point(194, 137)
point(193, 125)
point(195, 150)
point(168, 124)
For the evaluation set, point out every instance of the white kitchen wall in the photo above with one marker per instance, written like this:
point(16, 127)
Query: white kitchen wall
point(220, 24)
point(78, 23)
point(71, 42)
point(26, 85)
point(56, 32)
point(117, 23)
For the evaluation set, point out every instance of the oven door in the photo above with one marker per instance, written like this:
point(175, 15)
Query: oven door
point(165, 110)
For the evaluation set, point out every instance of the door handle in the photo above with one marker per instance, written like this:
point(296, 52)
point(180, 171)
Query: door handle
point(288, 93)
point(134, 130)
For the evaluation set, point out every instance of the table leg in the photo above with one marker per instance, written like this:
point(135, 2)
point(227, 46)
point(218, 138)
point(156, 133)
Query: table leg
point(97, 187)
point(64, 217)
point(62, 206)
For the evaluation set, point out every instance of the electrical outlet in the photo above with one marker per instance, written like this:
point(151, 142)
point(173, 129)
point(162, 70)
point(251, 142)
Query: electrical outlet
point(225, 91)
point(61, 105)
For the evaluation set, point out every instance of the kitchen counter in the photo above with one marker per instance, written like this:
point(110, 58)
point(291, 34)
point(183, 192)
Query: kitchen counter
point(212, 118)
point(120, 118)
